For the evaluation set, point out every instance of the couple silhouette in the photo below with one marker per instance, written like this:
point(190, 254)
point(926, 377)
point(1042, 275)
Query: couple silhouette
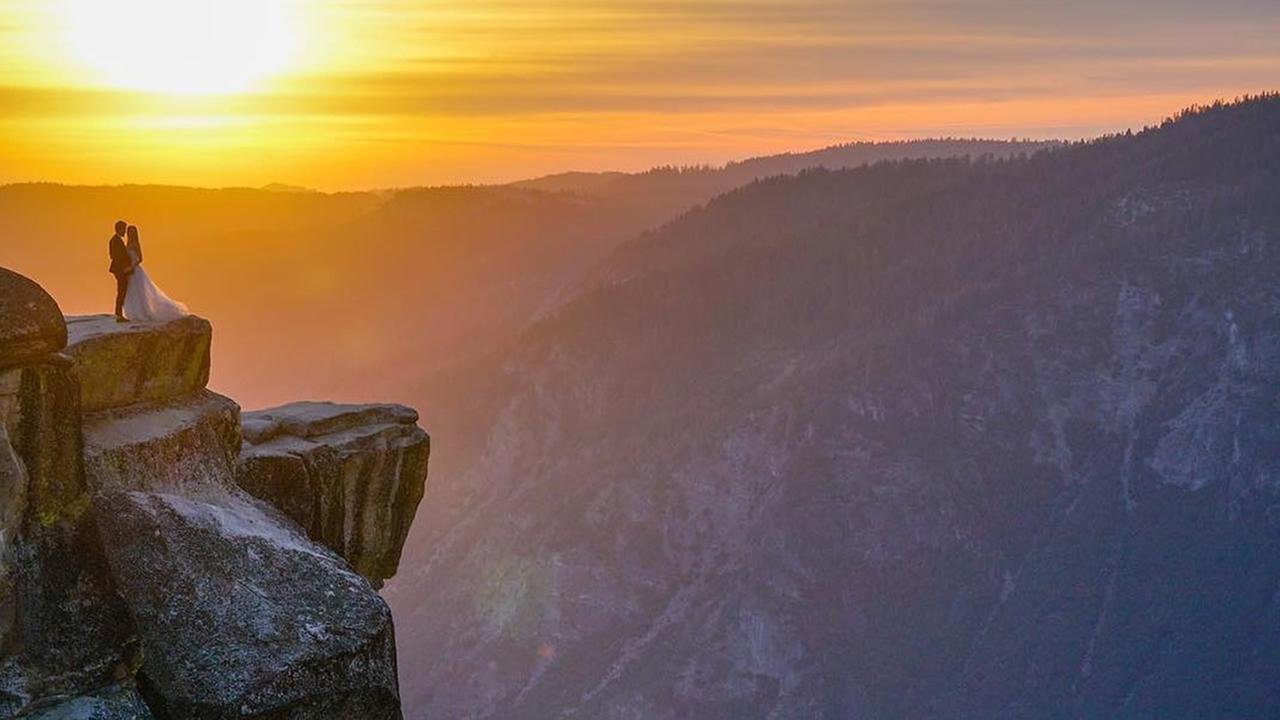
point(137, 297)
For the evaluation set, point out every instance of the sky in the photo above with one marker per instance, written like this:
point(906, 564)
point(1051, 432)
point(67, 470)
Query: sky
point(355, 94)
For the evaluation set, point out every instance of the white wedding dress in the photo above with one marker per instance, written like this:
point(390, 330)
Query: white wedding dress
point(144, 302)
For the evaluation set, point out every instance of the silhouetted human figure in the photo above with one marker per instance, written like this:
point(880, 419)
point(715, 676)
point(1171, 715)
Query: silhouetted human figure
point(121, 267)
point(134, 245)
point(144, 300)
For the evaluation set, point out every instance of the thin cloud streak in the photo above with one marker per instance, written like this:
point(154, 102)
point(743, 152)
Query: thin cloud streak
point(598, 82)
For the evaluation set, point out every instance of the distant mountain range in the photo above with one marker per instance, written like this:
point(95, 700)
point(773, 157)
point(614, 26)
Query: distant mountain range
point(945, 438)
point(394, 284)
point(281, 187)
point(701, 183)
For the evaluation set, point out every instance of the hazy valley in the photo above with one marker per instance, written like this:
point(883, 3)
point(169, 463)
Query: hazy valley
point(927, 439)
point(938, 437)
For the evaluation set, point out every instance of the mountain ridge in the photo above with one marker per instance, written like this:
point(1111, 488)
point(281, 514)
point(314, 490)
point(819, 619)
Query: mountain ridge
point(740, 172)
point(922, 453)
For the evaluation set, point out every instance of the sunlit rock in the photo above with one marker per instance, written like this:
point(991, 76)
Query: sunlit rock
point(122, 364)
point(63, 631)
point(31, 325)
point(239, 614)
point(163, 446)
point(242, 616)
point(351, 475)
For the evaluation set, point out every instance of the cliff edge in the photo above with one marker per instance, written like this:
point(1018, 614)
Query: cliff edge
point(346, 473)
point(139, 579)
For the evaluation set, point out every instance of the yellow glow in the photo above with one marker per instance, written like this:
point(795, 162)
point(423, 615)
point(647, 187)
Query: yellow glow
point(180, 46)
point(350, 94)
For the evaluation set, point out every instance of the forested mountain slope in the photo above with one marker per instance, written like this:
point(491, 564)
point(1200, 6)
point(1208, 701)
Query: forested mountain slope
point(929, 439)
point(705, 182)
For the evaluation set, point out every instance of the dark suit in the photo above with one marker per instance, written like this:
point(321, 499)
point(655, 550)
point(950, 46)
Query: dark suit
point(122, 268)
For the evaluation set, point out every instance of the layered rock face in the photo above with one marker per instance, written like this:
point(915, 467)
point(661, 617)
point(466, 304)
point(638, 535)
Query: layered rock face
point(63, 630)
point(239, 614)
point(125, 365)
point(128, 547)
point(351, 475)
point(186, 442)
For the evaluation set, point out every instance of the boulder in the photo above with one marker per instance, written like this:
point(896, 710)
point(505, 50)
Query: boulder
point(164, 446)
point(241, 616)
point(31, 325)
point(351, 475)
point(112, 703)
point(122, 364)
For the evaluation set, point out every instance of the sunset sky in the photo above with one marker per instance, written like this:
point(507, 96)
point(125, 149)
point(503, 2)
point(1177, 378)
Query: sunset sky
point(346, 94)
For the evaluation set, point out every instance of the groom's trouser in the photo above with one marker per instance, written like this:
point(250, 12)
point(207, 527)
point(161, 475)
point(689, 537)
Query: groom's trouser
point(122, 288)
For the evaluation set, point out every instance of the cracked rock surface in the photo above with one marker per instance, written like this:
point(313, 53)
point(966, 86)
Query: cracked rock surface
point(351, 475)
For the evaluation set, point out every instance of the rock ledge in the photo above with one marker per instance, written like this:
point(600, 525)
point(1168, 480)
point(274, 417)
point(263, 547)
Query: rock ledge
point(351, 475)
point(137, 579)
point(123, 364)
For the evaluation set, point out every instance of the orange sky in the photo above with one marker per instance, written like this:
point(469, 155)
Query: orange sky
point(346, 94)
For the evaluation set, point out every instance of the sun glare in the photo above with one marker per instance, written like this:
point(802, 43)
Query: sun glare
point(181, 46)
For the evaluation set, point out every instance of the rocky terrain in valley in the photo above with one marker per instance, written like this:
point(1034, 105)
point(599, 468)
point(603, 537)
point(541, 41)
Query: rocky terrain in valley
point(154, 565)
point(928, 439)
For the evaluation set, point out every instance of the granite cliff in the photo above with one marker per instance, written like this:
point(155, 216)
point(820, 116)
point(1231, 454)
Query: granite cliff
point(149, 569)
point(343, 472)
point(944, 439)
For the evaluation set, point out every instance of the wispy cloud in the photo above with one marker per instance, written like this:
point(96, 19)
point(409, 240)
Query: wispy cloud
point(694, 80)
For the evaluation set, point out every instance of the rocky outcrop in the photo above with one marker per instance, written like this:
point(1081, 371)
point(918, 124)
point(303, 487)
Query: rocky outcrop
point(239, 614)
point(351, 475)
point(152, 425)
point(31, 325)
point(164, 446)
point(63, 630)
point(242, 616)
point(124, 364)
point(137, 579)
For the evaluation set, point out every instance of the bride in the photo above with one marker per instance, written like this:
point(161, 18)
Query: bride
point(144, 301)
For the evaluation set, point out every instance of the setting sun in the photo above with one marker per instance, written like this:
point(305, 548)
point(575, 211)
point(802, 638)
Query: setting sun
point(180, 46)
point(351, 94)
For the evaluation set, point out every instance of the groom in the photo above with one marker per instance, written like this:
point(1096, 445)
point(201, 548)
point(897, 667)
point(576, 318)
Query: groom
point(121, 267)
